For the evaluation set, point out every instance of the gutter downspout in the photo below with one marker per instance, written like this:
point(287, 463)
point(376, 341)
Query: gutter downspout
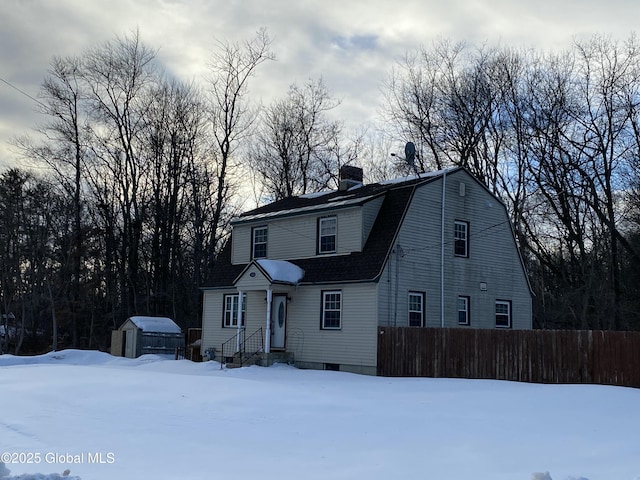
point(444, 189)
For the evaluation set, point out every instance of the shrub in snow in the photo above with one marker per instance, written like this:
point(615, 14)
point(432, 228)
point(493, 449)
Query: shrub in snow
point(5, 475)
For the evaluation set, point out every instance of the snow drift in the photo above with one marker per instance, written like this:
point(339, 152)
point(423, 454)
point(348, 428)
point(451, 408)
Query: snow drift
point(157, 418)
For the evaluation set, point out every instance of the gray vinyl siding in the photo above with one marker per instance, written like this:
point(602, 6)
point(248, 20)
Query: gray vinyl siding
point(393, 304)
point(493, 259)
point(354, 344)
point(297, 236)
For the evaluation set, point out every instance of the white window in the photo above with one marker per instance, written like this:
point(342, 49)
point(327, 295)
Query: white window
point(416, 309)
point(327, 228)
point(259, 242)
point(230, 318)
point(331, 310)
point(463, 310)
point(461, 239)
point(503, 314)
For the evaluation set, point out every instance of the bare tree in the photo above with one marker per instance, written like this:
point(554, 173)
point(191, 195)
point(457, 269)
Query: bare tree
point(298, 149)
point(174, 138)
point(61, 100)
point(232, 66)
point(118, 75)
point(602, 143)
point(554, 136)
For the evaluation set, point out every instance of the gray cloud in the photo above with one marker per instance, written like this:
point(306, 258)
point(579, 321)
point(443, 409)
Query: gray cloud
point(351, 44)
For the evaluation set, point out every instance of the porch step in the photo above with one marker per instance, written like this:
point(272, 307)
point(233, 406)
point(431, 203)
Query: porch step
point(262, 360)
point(268, 359)
point(253, 360)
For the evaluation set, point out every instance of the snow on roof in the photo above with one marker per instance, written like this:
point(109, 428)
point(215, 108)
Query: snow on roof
point(156, 324)
point(282, 271)
point(316, 194)
point(435, 173)
point(309, 208)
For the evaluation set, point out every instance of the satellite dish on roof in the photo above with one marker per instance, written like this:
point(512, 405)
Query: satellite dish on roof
point(410, 151)
point(410, 155)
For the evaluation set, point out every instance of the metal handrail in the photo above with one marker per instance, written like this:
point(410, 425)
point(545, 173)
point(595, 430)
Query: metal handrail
point(254, 344)
point(233, 341)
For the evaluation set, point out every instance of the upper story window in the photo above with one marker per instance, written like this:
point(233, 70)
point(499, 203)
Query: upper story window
point(503, 313)
point(259, 249)
point(327, 229)
point(461, 239)
point(416, 309)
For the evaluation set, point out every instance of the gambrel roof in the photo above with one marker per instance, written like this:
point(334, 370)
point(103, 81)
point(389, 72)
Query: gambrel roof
point(366, 265)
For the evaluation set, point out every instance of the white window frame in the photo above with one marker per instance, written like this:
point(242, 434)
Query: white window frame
point(230, 309)
point(459, 238)
point(254, 243)
point(466, 309)
point(423, 300)
point(321, 222)
point(329, 298)
point(506, 315)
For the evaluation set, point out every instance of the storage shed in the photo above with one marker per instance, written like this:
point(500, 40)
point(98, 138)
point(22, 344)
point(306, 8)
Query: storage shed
point(142, 335)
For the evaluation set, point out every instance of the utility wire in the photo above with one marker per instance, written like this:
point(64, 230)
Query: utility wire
point(6, 82)
point(480, 233)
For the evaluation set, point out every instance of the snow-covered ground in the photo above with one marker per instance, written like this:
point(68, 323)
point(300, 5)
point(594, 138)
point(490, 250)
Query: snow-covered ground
point(100, 417)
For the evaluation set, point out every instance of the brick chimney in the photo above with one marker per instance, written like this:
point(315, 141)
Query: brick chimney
point(350, 176)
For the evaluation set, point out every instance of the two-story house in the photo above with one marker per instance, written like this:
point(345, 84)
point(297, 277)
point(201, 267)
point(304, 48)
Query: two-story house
point(319, 273)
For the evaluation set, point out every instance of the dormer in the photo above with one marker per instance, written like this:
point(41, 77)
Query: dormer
point(327, 223)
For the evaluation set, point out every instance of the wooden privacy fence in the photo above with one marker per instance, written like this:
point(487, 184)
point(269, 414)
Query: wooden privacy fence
point(539, 356)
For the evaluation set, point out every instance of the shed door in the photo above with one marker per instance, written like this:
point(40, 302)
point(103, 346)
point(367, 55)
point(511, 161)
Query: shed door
point(279, 321)
point(130, 348)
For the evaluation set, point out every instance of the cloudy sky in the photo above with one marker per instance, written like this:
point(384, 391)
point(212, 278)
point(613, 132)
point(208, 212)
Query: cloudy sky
point(352, 44)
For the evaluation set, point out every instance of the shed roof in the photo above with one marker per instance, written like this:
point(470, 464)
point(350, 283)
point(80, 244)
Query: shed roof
point(155, 324)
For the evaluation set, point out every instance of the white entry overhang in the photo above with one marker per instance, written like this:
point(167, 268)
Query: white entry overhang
point(260, 274)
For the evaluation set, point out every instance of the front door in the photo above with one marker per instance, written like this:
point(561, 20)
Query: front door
point(278, 321)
